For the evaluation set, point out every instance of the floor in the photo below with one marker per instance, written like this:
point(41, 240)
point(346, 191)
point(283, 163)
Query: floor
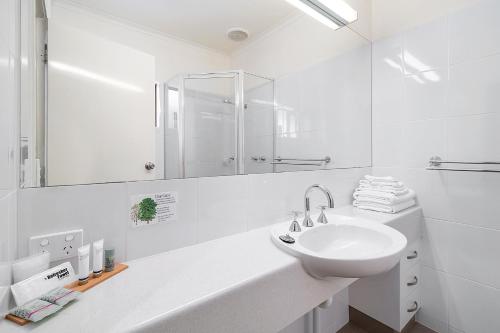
point(416, 328)
point(362, 323)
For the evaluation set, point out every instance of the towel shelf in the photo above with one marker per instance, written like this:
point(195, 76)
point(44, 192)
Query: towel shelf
point(435, 164)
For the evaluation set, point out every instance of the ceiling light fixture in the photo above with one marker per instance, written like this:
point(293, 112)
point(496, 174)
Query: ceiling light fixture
point(332, 13)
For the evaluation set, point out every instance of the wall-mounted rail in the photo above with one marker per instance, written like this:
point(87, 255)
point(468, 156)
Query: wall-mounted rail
point(435, 163)
point(326, 159)
point(298, 164)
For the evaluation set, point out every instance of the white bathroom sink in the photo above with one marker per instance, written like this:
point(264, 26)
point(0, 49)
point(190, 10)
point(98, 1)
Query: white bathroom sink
point(345, 247)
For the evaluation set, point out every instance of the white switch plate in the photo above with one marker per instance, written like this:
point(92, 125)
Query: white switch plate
point(60, 245)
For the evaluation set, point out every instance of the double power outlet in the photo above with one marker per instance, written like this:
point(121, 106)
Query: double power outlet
point(61, 245)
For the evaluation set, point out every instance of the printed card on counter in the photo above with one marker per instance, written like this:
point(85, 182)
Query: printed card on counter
point(147, 209)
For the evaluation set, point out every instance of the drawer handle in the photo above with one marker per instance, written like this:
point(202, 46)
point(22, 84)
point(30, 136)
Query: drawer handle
point(413, 256)
point(412, 283)
point(414, 308)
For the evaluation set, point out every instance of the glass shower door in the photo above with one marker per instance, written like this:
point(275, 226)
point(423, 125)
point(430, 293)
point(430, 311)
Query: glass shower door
point(210, 145)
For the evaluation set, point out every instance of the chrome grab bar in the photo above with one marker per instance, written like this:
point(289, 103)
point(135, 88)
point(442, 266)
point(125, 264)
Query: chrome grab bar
point(298, 164)
point(326, 159)
point(435, 163)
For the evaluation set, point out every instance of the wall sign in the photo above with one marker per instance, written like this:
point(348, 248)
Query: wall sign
point(146, 209)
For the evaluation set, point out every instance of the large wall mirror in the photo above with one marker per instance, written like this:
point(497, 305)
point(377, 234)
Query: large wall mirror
point(131, 90)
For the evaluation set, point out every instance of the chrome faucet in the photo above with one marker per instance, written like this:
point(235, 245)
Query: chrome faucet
point(307, 204)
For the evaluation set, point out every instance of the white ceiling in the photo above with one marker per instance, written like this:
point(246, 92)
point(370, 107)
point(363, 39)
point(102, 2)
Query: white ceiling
point(203, 22)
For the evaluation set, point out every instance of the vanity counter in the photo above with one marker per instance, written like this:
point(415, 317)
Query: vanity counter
point(241, 283)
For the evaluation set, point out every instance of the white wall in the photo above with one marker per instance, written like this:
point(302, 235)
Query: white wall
point(173, 56)
point(9, 106)
point(446, 103)
point(100, 117)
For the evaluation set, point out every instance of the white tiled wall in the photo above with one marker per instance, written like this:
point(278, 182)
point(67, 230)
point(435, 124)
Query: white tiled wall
point(435, 92)
point(9, 93)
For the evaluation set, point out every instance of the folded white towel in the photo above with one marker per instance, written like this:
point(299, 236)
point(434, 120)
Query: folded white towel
point(388, 189)
point(384, 198)
point(392, 209)
point(382, 181)
point(386, 179)
point(397, 184)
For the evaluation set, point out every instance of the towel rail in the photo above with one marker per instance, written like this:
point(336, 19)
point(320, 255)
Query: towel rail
point(326, 159)
point(298, 164)
point(435, 164)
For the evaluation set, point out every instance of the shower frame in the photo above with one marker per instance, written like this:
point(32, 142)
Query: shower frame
point(239, 115)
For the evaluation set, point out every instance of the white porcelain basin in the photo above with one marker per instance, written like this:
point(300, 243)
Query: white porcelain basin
point(345, 247)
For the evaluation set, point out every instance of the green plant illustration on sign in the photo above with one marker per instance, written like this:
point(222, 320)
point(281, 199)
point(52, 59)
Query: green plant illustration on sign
point(147, 210)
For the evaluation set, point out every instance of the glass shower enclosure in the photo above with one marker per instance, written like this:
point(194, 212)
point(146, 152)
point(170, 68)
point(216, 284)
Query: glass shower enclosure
point(218, 124)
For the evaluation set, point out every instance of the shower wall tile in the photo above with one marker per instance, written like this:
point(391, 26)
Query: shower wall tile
point(479, 36)
point(387, 140)
point(426, 47)
point(472, 306)
point(472, 138)
point(421, 140)
point(388, 59)
point(473, 85)
point(388, 101)
point(425, 99)
point(434, 289)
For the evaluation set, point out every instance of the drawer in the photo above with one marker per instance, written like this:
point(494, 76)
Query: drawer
point(409, 307)
point(409, 281)
point(411, 256)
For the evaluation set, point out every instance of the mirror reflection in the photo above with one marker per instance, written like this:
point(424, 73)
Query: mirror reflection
point(128, 92)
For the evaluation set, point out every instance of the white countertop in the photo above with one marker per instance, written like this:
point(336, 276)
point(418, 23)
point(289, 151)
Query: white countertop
point(241, 283)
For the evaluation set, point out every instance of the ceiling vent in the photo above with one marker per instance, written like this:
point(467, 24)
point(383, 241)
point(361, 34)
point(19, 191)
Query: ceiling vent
point(237, 34)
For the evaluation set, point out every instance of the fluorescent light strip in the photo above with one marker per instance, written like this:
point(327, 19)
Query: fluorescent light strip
point(341, 9)
point(93, 76)
point(313, 13)
point(332, 13)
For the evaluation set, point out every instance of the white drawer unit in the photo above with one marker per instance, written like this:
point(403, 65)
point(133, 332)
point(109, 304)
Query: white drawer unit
point(409, 281)
point(393, 298)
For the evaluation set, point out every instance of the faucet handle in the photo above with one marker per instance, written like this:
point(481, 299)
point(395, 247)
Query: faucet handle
point(295, 226)
point(295, 214)
point(322, 217)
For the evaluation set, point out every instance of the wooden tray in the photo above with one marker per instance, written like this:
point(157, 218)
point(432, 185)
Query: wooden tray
point(74, 286)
